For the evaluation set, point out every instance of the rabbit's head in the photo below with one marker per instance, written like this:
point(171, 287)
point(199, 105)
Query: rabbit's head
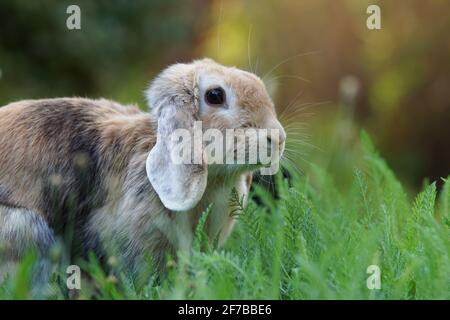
point(206, 97)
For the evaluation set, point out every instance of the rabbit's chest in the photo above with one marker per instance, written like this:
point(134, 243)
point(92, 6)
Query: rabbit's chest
point(221, 220)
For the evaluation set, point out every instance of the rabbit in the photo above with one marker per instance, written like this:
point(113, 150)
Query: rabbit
point(103, 170)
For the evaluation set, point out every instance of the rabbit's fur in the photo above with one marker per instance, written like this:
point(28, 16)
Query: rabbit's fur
point(86, 164)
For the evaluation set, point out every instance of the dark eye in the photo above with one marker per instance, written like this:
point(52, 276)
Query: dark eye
point(215, 96)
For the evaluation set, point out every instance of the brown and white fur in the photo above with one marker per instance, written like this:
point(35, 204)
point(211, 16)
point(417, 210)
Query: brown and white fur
point(103, 169)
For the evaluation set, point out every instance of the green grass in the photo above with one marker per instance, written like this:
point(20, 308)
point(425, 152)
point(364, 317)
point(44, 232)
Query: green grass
point(314, 241)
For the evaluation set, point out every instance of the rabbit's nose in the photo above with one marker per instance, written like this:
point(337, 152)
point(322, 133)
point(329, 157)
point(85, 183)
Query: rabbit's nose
point(277, 139)
point(282, 135)
point(277, 135)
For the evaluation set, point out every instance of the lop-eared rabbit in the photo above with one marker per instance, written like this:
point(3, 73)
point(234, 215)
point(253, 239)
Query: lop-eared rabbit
point(101, 172)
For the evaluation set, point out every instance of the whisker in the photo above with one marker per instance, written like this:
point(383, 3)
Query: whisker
point(308, 105)
point(300, 157)
point(288, 163)
point(256, 65)
point(291, 103)
point(248, 49)
point(294, 132)
point(300, 110)
point(304, 106)
point(219, 27)
point(287, 60)
point(302, 142)
point(290, 76)
point(294, 152)
point(298, 125)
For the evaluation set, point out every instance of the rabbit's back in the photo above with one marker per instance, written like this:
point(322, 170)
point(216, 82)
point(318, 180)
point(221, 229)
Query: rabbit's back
point(58, 155)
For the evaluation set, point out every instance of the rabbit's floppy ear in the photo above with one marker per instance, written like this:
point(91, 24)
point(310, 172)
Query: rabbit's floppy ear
point(173, 99)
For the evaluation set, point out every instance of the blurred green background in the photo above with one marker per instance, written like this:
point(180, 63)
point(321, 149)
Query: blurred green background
point(328, 74)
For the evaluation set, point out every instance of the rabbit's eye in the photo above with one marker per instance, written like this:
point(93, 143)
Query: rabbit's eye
point(215, 96)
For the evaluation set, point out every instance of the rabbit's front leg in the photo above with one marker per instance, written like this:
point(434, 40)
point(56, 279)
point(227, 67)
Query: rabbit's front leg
point(23, 230)
point(139, 227)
